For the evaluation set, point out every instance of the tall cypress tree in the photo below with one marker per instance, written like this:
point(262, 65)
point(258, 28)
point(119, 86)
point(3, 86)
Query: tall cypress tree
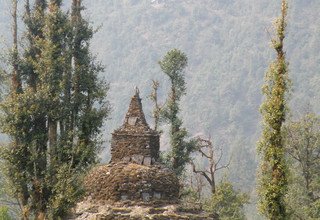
point(56, 119)
point(173, 65)
point(273, 169)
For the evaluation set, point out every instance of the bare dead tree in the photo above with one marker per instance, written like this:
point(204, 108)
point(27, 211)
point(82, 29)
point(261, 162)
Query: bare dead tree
point(214, 156)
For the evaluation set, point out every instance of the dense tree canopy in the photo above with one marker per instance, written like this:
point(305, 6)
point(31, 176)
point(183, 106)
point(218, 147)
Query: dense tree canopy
point(54, 112)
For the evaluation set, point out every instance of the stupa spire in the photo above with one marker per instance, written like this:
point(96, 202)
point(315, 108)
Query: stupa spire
point(135, 115)
point(135, 141)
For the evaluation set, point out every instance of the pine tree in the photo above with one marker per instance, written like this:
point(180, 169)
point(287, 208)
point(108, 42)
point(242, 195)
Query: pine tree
point(55, 119)
point(173, 65)
point(273, 177)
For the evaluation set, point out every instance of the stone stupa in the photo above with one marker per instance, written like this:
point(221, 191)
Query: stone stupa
point(134, 185)
point(134, 175)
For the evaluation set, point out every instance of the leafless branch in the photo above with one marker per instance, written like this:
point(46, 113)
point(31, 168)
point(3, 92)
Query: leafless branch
point(203, 173)
point(214, 156)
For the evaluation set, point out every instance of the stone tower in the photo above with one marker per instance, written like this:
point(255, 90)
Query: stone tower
point(134, 141)
point(134, 175)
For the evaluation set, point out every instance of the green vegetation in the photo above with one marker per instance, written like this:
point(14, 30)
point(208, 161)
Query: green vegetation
point(54, 111)
point(302, 142)
point(156, 113)
point(227, 202)
point(227, 54)
point(173, 65)
point(273, 169)
point(4, 215)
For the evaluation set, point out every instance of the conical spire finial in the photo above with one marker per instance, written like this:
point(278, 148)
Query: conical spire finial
point(135, 115)
point(137, 91)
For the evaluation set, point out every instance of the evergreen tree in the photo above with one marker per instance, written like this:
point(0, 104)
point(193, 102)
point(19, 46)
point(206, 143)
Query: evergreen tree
point(302, 143)
point(273, 169)
point(16, 76)
point(173, 65)
point(34, 22)
point(156, 113)
point(55, 119)
point(227, 202)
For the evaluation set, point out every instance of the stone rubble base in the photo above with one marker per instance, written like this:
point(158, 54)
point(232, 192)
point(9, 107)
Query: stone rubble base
point(89, 211)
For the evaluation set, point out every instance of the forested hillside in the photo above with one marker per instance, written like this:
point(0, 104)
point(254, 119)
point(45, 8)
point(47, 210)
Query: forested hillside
point(227, 44)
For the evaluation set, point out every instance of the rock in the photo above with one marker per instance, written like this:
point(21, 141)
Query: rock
point(157, 195)
point(126, 159)
point(137, 159)
point(108, 216)
point(146, 197)
point(132, 121)
point(107, 212)
point(147, 161)
point(93, 209)
point(124, 197)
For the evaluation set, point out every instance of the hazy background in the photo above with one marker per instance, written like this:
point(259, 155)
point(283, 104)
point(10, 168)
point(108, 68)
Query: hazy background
point(227, 43)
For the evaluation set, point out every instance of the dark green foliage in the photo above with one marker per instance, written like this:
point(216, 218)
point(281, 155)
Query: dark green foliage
point(302, 143)
point(227, 202)
point(55, 121)
point(156, 113)
point(4, 215)
point(273, 169)
point(173, 65)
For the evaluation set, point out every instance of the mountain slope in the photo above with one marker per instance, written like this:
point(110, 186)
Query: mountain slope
point(227, 43)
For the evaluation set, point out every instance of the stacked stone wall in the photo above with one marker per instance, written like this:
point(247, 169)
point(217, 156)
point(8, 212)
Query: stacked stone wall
point(135, 148)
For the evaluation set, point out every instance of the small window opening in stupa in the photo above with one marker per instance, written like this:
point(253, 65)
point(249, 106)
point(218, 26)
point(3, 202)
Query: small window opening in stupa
point(146, 196)
point(157, 195)
point(124, 197)
point(132, 121)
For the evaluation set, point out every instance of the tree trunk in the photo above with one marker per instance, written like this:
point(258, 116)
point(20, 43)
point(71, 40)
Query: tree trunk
point(154, 97)
point(174, 127)
point(52, 125)
point(213, 186)
point(40, 216)
point(25, 213)
point(16, 79)
point(25, 209)
point(17, 88)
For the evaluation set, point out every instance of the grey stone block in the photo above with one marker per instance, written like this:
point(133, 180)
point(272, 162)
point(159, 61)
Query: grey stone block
point(146, 197)
point(137, 158)
point(147, 161)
